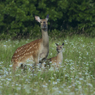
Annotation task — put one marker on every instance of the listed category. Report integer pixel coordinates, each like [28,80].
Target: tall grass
[76,76]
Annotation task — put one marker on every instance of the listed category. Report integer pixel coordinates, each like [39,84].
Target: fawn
[36,50]
[57,60]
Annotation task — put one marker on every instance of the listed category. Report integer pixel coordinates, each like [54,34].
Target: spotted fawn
[36,50]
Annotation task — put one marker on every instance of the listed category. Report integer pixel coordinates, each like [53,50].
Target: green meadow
[76,76]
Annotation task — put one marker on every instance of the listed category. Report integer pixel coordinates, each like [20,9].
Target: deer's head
[59,47]
[43,22]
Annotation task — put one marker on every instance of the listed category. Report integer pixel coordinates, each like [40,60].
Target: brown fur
[57,60]
[36,50]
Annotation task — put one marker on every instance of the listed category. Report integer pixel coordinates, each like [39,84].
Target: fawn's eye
[60,47]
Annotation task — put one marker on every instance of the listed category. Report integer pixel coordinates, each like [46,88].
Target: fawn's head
[59,47]
[43,22]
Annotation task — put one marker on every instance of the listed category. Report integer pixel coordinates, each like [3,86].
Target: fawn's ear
[47,17]
[37,18]
[62,44]
[56,44]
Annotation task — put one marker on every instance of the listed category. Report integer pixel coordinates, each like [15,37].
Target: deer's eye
[60,47]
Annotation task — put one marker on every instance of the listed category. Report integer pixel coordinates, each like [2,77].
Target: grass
[76,76]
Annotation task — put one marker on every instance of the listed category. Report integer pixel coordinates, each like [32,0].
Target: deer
[36,50]
[57,60]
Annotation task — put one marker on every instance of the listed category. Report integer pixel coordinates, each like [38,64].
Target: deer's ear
[37,18]
[47,17]
[62,44]
[56,44]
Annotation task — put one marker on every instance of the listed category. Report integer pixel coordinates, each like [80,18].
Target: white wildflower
[54,82]
[89,84]
[44,86]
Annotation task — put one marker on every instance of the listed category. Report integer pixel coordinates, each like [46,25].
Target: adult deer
[36,50]
[57,60]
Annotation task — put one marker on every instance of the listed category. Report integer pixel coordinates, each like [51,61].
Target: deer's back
[55,61]
[26,51]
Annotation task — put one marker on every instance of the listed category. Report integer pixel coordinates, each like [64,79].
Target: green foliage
[81,14]
[17,16]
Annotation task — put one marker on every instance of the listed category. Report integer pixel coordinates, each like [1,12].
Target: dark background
[66,17]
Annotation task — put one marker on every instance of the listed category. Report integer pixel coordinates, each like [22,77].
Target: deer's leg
[15,65]
[36,60]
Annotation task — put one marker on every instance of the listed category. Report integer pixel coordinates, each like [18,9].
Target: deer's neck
[45,38]
[60,56]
